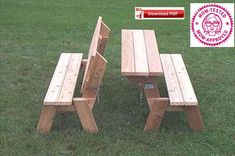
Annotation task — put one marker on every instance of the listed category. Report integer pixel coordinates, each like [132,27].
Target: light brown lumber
[154,62]
[57,80]
[46,118]
[99,69]
[95,39]
[140,55]
[70,80]
[86,117]
[194,118]
[104,30]
[87,73]
[150,93]
[92,51]
[156,114]
[174,90]
[127,54]
[184,80]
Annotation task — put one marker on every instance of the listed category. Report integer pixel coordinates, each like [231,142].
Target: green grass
[33,34]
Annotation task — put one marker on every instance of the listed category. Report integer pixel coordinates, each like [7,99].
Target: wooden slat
[95,39]
[92,50]
[98,43]
[96,72]
[102,46]
[173,87]
[127,65]
[141,63]
[184,80]
[87,74]
[100,67]
[57,79]
[70,80]
[86,117]
[104,30]
[154,63]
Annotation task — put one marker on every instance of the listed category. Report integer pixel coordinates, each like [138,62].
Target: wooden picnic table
[141,63]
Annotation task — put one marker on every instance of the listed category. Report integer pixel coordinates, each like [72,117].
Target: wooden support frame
[80,105]
[157,110]
[69,66]
[141,63]
[156,104]
[85,115]
[83,106]
[159,105]
[46,118]
[194,118]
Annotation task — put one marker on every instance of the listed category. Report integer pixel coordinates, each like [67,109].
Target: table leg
[156,114]
[194,118]
[156,104]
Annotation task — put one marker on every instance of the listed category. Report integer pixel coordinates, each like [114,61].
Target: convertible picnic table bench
[60,94]
[141,63]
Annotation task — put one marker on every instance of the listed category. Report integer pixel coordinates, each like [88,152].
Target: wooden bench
[60,94]
[180,90]
[141,63]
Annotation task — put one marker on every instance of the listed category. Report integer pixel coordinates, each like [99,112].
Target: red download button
[163,14]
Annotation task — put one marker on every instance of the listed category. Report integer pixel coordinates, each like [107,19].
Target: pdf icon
[212,25]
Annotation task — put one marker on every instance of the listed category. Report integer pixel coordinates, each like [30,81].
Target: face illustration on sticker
[212,24]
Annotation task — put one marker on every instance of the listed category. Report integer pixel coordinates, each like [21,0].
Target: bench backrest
[96,62]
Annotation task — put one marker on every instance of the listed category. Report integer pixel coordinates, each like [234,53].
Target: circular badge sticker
[212,24]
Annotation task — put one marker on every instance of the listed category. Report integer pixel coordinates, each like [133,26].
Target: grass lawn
[33,33]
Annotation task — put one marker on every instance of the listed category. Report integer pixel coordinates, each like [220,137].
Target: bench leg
[86,117]
[194,118]
[90,95]
[46,119]
[155,116]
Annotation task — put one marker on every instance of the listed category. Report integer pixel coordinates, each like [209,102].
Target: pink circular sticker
[212,24]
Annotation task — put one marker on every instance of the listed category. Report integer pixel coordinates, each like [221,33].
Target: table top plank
[173,87]
[127,63]
[140,55]
[154,63]
[141,60]
[184,80]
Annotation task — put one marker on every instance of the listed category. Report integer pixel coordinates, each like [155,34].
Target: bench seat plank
[57,80]
[141,60]
[184,80]
[154,62]
[128,64]
[62,85]
[70,80]
[173,87]
[178,81]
